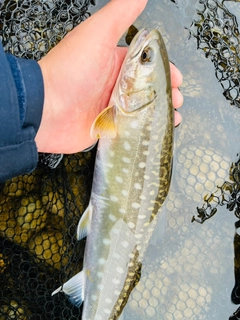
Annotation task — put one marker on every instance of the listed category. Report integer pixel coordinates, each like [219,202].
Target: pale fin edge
[104,125]
[74,289]
[84,224]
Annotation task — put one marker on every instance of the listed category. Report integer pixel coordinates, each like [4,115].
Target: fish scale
[131,180]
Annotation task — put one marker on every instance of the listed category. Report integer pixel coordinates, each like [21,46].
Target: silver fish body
[131,179]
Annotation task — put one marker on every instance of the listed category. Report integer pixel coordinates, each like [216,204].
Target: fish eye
[147,55]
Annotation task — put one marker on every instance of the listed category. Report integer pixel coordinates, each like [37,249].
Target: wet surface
[191,270]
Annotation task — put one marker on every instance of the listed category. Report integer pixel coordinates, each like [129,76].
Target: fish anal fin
[84,224]
[104,125]
[74,289]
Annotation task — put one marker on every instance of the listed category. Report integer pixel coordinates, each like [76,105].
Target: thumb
[114,19]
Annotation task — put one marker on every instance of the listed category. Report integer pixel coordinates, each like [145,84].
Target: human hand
[80,73]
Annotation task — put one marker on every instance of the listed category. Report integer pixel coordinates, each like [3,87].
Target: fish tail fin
[74,289]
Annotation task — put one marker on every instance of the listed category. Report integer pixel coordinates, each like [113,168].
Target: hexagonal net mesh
[30,28]
[39,212]
[38,246]
[216,31]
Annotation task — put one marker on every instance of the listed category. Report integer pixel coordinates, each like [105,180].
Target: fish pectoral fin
[104,125]
[84,223]
[74,288]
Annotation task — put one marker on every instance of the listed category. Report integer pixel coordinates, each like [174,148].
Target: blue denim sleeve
[21,104]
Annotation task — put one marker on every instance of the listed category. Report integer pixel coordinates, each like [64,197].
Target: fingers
[114,19]
[177,98]
[177,118]
[176,76]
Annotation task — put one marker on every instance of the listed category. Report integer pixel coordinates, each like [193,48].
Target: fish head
[140,80]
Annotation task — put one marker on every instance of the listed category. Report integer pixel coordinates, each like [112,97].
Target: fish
[132,177]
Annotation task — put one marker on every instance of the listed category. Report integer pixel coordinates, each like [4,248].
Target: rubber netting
[39,212]
[217,34]
[38,246]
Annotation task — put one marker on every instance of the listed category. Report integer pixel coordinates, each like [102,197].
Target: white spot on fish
[101,261]
[106,241]
[145,142]
[152,193]
[131,255]
[149,128]
[125,244]
[137,186]
[100,287]
[121,210]
[146,153]
[115,281]
[141,216]
[120,270]
[111,153]
[134,124]
[138,236]
[142,165]
[127,133]
[94,298]
[116,255]
[135,205]
[125,170]
[125,159]
[131,225]
[99,274]
[112,217]
[113,198]
[146,177]
[116,231]
[124,193]
[107,311]
[127,146]
[110,165]
[108,300]
[119,179]
[117,293]
[142,197]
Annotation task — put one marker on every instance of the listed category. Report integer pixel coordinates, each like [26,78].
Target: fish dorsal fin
[74,288]
[84,223]
[104,125]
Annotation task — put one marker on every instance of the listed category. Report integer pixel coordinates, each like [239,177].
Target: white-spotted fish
[131,180]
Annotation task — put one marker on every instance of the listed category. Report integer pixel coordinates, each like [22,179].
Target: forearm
[21,103]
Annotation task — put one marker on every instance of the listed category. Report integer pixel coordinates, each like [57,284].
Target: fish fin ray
[83,227]
[104,125]
[74,289]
